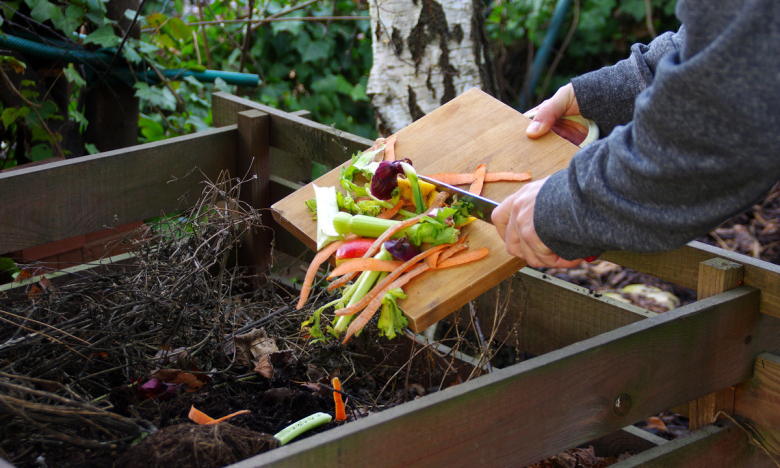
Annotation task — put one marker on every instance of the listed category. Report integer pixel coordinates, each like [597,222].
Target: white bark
[426,52]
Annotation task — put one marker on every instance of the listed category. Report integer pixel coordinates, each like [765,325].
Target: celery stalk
[362,286]
[411,174]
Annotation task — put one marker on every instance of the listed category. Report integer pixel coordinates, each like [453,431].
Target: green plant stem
[297,428]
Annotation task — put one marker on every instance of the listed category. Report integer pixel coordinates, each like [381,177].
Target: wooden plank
[516,416]
[296,135]
[758,400]
[282,239]
[471,129]
[725,446]
[715,276]
[544,313]
[253,166]
[681,266]
[630,439]
[82,195]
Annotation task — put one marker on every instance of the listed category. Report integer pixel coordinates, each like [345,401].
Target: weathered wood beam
[758,400]
[542,313]
[545,405]
[296,135]
[77,196]
[722,446]
[715,276]
[681,267]
[253,166]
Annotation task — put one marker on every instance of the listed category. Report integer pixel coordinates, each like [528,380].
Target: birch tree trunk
[426,52]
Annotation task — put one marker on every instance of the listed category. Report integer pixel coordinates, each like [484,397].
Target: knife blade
[483,206]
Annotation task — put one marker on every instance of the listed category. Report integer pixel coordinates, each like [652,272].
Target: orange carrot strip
[198,416]
[456,248]
[507,176]
[389,214]
[479,179]
[387,235]
[341,414]
[319,259]
[463,258]
[377,143]
[455,178]
[390,148]
[364,264]
[433,259]
[356,307]
[373,306]
[237,413]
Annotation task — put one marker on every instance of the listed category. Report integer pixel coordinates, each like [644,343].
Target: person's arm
[607,95]
[702,145]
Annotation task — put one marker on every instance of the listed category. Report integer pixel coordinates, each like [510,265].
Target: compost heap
[109,357]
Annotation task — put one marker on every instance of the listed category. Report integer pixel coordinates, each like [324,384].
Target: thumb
[542,122]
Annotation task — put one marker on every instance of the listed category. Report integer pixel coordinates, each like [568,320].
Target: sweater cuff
[556,222]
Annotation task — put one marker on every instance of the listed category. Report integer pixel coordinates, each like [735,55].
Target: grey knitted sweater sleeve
[607,96]
[701,143]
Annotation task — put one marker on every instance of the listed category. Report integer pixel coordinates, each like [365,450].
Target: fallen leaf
[178,376]
[264,367]
[251,346]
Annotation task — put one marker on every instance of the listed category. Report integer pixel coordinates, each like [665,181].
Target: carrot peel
[199,417]
[341,414]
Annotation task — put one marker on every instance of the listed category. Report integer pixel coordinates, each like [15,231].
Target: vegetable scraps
[379,246]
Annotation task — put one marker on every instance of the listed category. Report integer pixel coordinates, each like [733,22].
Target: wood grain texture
[681,267]
[539,313]
[296,135]
[82,195]
[470,130]
[629,439]
[518,415]
[253,165]
[758,400]
[715,276]
[712,447]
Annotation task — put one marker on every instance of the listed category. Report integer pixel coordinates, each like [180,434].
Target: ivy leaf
[73,76]
[316,50]
[78,117]
[18,66]
[40,152]
[70,21]
[178,29]
[155,96]
[103,36]
[220,84]
[150,129]
[12,114]
[332,84]
[91,148]
[130,54]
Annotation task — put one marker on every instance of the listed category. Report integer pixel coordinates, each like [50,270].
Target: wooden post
[715,276]
[253,163]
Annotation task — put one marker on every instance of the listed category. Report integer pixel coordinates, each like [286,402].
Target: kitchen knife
[483,207]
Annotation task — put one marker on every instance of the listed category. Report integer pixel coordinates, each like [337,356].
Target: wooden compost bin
[602,365]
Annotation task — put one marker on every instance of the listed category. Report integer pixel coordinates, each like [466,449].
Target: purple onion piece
[385,179]
[401,249]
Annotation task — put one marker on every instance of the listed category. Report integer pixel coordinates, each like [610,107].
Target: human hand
[514,220]
[549,116]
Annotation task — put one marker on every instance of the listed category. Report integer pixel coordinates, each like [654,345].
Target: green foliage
[604,32]
[321,66]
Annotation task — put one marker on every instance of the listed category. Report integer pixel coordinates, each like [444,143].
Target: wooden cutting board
[472,129]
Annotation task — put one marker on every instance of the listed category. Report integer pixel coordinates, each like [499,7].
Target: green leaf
[103,36]
[70,21]
[193,82]
[8,266]
[42,10]
[91,149]
[179,30]
[40,152]
[150,129]
[160,97]
[130,54]
[220,85]
[73,76]
[316,50]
